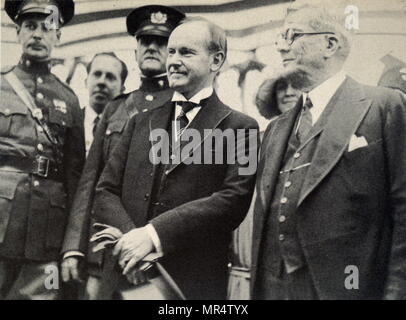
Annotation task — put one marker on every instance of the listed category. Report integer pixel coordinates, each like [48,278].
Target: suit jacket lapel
[318,126]
[274,148]
[212,113]
[349,108]
[160,120]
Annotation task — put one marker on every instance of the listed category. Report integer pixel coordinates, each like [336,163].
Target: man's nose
[38,33]
[173,60]
[153,45]
[281,45]
[101,80]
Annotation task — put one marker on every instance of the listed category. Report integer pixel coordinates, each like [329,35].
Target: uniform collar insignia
[154,84]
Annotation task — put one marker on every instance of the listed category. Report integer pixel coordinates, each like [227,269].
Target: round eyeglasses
[290,35]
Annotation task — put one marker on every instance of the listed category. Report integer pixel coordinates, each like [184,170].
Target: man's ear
[122,89]
[18,29]
[218,60]
[333,44]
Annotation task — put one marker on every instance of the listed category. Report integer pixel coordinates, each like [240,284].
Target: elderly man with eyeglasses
[330,212]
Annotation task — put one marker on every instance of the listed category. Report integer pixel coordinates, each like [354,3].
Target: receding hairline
[189,21]
[124,69]
[216,36]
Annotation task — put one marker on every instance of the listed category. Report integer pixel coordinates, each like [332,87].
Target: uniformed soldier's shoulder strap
[64,84]
[121,96]
[7,69]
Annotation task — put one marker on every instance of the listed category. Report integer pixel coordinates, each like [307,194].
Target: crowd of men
[330,183]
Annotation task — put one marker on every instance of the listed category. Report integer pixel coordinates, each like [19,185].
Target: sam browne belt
[40,166]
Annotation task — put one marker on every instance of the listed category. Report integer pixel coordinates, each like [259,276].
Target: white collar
[201,95]
[322,94]
[90,114]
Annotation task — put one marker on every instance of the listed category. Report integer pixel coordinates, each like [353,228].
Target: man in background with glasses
[330,212]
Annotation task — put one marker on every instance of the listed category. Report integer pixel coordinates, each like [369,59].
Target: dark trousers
[297,285]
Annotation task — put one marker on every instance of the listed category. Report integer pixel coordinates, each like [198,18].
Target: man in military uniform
[41,154]
[151,26]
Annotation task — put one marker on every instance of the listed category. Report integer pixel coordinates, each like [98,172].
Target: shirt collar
[197,98]
[321,95]
[90,114]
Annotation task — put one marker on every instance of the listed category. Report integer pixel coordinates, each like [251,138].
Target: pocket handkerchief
[357,142]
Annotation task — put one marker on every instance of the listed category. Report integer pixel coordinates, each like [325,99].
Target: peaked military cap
[153,20]
[17,8]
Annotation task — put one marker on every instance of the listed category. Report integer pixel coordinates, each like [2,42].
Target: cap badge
[159,17]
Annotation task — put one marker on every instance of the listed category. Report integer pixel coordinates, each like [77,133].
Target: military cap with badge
[64,9]
[153,20]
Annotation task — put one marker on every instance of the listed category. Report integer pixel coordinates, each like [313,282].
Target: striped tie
[182,118]
[305,124]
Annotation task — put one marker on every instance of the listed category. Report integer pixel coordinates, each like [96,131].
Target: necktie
[95,122]
[305,124]
[182,118]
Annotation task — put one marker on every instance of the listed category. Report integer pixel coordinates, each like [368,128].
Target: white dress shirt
[177,97]
[90,116]
[197,98]
[322,94]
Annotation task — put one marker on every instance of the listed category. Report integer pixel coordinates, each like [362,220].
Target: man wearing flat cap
[151,26]
[41,154]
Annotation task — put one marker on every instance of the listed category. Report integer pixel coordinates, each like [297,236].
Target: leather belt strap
[29,102]
[39,166]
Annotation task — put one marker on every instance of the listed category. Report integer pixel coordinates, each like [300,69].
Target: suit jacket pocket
[9,182]
[56,217]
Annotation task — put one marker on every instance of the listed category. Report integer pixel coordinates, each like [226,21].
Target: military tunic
[34,204]
[153,92]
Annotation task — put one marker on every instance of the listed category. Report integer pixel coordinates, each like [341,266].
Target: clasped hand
[132,248]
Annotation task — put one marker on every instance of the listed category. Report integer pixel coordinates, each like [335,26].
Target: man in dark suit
[151,26]
[106,75]
[184,210]
[330,213]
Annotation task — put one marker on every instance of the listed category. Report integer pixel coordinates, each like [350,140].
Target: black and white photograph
[213,150]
